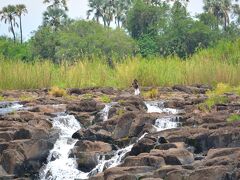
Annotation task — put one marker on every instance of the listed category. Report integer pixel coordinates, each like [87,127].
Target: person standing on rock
[136,87]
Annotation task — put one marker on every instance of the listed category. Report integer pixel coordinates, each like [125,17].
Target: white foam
[62,167]
[158,107]
[10,108]
[104,113]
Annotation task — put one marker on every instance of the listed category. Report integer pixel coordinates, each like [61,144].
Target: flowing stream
[60,166]
[8,107]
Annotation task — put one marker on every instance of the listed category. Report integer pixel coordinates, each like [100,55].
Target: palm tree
[54,17]
[121,10]
[220,9]
[96,8]
[21,10]
[59,3]
[8,14]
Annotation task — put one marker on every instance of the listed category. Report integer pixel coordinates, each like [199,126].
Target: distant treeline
[150,28]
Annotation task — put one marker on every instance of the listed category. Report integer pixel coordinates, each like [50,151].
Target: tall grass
[207,67]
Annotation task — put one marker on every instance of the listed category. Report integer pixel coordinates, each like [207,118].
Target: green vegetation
[234,118]
[201,68]
[157,42]
[57,92]
[153,93]
[88,96]
[217,96]
[105,99]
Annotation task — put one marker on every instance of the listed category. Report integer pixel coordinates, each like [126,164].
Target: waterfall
[161,124]
[59,166]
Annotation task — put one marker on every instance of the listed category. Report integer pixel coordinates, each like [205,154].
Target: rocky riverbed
[81,136]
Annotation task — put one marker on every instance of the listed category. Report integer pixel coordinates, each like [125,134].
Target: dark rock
[85,105]
[97,146]
[86,161]
[142,146]
[75,91]
[143,160]
[165,146]
[22,134]
[123,126]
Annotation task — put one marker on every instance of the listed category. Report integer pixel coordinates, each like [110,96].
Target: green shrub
[57,92]
[234,118]
[153,93]
[105,99]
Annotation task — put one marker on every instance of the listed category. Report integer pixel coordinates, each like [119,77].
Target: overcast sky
[77,9]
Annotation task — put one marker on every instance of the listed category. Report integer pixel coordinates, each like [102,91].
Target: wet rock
[25,156]
[11,160]
[22,134]
[123,126]
[85,119]
[86,161]
[142,146]
[93,135]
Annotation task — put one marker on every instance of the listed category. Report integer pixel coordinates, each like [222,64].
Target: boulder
[143,146]
[206,173]
[89,146]
[143,160]
[86,161]
[85,105]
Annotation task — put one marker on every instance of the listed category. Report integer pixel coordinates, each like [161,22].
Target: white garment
[137,92]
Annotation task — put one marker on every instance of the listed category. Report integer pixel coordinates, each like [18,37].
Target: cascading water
[8,107]
[59,165]
[105,111]
[115,160]
[158,107]
[161,124]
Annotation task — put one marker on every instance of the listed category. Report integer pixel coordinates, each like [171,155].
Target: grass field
[210,66]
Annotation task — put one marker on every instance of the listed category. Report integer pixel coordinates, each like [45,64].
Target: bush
[153,93]
[234,118]
[14,51]
[105,99]
[57,92]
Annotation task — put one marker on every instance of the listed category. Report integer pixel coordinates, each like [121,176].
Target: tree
[55,16]
[21,10]
[44,43]
[109,10]
[86,39]
[145,18]
[96,8]
[121,9]
[8,14]
[58,3]
[222,10]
